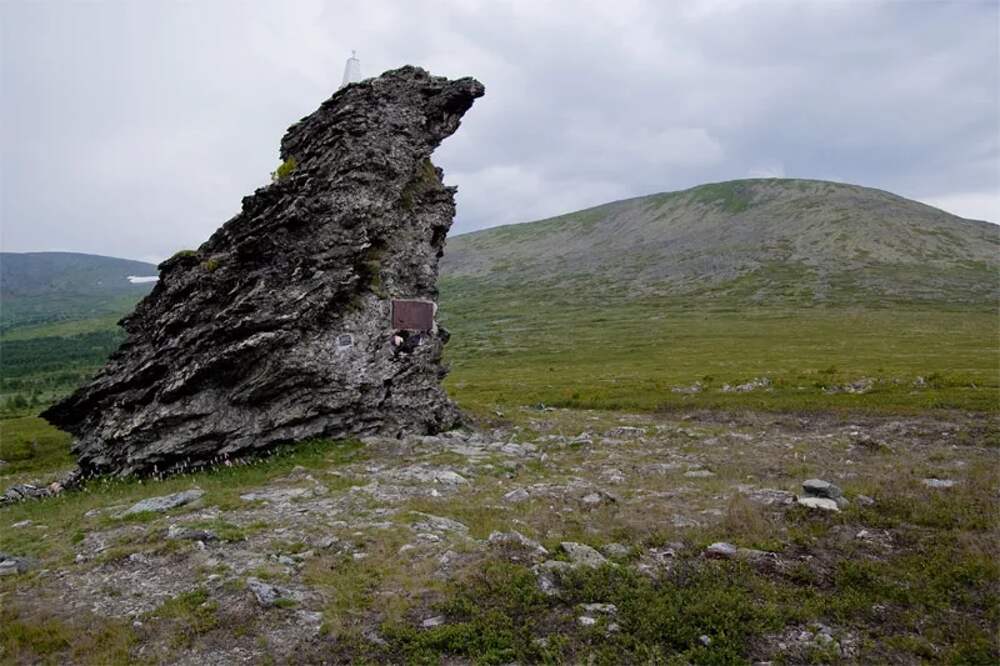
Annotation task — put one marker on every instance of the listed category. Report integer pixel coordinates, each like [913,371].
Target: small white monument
[352,70]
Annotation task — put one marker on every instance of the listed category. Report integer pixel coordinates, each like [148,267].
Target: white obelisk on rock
[352,69]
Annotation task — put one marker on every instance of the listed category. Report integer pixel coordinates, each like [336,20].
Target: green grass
[31,446]
[561,348]
[27,638]
[497,615]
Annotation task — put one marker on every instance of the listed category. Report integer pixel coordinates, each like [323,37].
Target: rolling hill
[39,288]
[752,241]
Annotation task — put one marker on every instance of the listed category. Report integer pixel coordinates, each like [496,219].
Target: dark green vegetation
[57,321]
[498,612]
[42,288]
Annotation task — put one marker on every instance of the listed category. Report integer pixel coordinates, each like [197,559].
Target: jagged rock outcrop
[279,328]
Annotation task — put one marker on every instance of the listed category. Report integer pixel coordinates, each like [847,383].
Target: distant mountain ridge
[69,273]
[756,241]
[38,288]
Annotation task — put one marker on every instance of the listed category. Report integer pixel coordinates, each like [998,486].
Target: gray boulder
[308,314]
[582,555]
[163,503]
[268,595]
[11,565]
[820,488]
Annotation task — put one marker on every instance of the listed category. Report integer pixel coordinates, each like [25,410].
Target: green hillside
[41,288]
[58,314]
[767,242]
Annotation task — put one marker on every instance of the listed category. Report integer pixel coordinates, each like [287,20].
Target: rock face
[280,327]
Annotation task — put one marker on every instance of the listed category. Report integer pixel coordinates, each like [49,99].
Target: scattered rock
[768,496]
[863,385]
[22,523]
[582,555]
[11,565]
[548,573]
[429,523]
[864,500]
[752,385]
[823,503]
[586,621]
[517,495]
[820,488]
[180,532]
[163,503]
[606,609]
[699,474]
[705,640]
[268,595]
[616,550]
[517,539]
[597,498]
[939,483]
[22,491]
[435,621]
[626,431]
[721,551]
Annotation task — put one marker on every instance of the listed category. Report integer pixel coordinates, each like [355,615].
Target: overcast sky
[133,129]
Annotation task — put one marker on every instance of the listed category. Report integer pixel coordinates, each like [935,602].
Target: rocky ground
[558,523]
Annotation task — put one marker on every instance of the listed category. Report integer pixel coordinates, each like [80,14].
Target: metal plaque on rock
[413,315]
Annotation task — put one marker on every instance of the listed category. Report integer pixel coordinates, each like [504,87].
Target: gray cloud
[133,129]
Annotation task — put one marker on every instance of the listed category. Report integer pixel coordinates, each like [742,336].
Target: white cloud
[135,128]
[972,205]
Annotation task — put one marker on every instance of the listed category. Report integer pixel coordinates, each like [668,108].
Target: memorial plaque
[413,315]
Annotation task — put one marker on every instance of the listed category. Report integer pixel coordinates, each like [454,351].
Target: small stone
[435,621]
[11,565]
[179,532]
[268,595]
[625,431]
[606,609]
[582,555]
[939,483]
[705,640]
[819,503]
[548,573]
[616,550]
[517,495]
[430,523]
[699,474]
[586,621]
[720,550]
[597,498]
[864,500]
[518,539]
[163,503]
[820,488]
[22,523]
